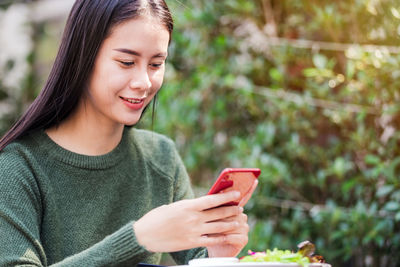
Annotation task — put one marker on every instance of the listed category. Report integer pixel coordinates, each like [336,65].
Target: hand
[236,239]
[191,223]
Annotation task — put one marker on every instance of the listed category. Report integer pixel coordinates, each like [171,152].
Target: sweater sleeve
[20,219]
[183,190]
[115,249]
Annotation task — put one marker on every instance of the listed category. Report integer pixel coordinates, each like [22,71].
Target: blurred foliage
[321,122]
[16,59]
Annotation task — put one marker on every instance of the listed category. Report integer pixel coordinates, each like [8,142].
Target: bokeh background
[307,91]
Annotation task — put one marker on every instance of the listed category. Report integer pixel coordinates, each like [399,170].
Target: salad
[304,256]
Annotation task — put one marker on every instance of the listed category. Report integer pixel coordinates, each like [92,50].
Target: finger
[215,200]
[239,240]
[221,213]
[242,228]
[219,227]
[211,240]
[240,218]
[246,198]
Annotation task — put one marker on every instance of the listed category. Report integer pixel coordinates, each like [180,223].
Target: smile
[135,104]
[132,100]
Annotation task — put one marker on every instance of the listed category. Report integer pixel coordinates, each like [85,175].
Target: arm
[183,190]
[21,209]
[235,240]
[190,223]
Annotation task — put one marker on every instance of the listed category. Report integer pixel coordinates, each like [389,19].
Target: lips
[133,103]
[133,100]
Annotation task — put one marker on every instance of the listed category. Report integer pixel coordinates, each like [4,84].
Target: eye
[156,65]
[126,63]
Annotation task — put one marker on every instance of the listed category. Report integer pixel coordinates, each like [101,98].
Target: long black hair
[88,24]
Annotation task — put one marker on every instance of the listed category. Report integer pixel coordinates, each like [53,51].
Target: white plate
[268,264]
[234,262]
[214,261]
[259,264]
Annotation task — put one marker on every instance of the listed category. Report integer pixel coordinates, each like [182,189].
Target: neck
[82,135]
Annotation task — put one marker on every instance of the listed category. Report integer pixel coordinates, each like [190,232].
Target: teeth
[133,101]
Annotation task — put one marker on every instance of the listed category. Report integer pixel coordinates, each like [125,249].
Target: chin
[131,119]
[130,122]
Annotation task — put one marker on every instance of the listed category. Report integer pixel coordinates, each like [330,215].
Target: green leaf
[392,206]
[310,72]
[275,75]
[397,217]
[372,159]
[350,69]
[320,61]
[392,168]
[384,190]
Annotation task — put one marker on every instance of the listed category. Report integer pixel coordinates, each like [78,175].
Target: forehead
[142,32]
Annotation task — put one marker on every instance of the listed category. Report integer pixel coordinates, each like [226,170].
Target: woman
[80,188]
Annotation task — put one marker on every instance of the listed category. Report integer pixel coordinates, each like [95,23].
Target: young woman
[80,188]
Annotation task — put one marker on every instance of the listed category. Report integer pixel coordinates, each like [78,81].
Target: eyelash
[130,63]
[127,63]
[156,65]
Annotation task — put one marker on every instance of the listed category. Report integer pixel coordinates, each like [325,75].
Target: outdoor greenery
[320,118]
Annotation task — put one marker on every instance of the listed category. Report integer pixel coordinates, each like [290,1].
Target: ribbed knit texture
[60,208]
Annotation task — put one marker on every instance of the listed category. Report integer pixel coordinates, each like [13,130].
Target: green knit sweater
[66,209]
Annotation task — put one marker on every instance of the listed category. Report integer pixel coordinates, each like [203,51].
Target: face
[128,72]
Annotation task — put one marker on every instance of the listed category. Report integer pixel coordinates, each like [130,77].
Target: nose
[140,80]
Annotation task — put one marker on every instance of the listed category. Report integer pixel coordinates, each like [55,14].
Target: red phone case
[227,178]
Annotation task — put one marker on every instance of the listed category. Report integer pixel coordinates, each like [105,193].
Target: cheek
[115,82]
[109,86]
[156,81]
[107,76]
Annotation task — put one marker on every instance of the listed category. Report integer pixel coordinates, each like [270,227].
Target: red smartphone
[239,179]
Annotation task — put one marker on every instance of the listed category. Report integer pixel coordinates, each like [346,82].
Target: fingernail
[236,194]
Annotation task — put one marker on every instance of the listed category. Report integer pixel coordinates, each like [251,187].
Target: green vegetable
[276,255]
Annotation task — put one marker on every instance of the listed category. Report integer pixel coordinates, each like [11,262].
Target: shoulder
[22,157]
[157,149]
[16,153]
[17,162]
[152,142]
[21,194]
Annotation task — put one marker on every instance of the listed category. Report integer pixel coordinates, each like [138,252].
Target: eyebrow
[132,52]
